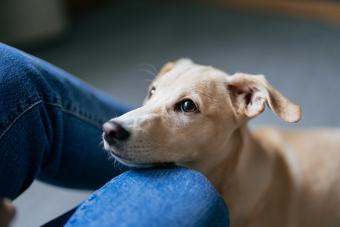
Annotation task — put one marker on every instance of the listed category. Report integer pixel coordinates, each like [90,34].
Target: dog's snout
[114,131]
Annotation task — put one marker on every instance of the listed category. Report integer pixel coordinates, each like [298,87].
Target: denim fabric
[50,129]
[50,126]
[157,197]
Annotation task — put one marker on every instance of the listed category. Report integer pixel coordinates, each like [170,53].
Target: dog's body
[283,178]
[196,116]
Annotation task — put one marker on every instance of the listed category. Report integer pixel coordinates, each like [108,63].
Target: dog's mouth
[134,164]
[130,162]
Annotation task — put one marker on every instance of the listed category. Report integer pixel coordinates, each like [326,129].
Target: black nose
[113,132]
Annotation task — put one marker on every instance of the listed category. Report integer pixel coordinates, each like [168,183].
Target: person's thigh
[50,126]
[155,197]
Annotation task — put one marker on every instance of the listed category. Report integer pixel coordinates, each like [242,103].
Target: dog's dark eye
[151,92]
[186,105]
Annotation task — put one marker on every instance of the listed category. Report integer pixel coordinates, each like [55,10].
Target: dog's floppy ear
[250,93]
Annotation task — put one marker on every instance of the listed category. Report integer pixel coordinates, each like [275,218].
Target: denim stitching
[80,117]
[76,114]
[18,117]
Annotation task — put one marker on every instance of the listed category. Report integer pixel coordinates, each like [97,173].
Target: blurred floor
[117,48]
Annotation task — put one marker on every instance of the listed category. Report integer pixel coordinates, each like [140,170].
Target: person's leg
[154,197]
[50,126]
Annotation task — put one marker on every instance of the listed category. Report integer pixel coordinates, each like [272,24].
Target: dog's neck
[249,172]
[243,178]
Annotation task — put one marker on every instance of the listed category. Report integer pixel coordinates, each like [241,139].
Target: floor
[119,48]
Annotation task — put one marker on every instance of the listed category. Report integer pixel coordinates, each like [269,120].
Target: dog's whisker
[148,80]
[153,68]
[148,72]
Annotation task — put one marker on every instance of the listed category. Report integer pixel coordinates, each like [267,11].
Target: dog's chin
[134,164]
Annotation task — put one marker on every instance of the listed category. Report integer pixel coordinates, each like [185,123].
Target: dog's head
[189,115]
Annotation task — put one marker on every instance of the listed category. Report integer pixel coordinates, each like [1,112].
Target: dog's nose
[114,131]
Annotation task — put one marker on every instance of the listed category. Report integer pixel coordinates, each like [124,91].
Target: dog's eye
[151,92]
[186,105]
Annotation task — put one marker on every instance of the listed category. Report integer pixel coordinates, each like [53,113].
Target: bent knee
[13,62]
[17,73]
[20,84]
[173,193]
[197,191]
[188,188]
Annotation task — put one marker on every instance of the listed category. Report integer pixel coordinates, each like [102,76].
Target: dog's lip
[132,164]
[117,155]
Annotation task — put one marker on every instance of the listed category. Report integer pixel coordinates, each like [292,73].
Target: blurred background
[118,46]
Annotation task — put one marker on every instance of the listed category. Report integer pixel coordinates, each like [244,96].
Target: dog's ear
[166,68]
[250,93]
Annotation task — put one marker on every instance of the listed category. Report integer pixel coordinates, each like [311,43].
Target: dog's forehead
[190,75]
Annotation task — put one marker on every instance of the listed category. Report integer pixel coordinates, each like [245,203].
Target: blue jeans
[50,129]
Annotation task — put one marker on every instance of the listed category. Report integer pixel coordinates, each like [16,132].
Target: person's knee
[156,197]
[21,83]
[190,190]
[207,201]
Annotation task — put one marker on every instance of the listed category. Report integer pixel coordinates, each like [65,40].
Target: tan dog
[196,116]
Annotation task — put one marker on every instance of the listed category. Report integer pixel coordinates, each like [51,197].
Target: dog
[196,116]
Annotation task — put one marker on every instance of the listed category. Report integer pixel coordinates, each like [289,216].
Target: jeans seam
[77,115]
[18,117]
